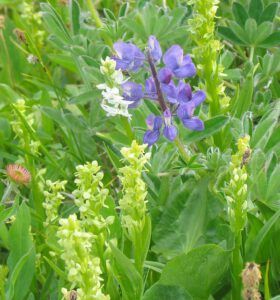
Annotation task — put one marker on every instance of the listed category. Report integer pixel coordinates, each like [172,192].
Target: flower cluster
[236,189]
[133,204]
[53,199]
[113,102]
[90,196]
[83,268]
[202,29]
[18,174]
[166,85]
[251,277]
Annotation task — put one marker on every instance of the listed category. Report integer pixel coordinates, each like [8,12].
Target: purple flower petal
[150,88]
[154,48]
[193,124]
[129,57]
[151,136]
[186,110]
[157,123]
[132,92]
[170,91]
[164,75]
[184,92]
[198,97]
[170,132]
[150,121]
[154,122]
[185,71]
[173,57]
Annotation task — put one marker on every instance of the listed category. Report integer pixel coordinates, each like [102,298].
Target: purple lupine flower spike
[132,92]
[169,130]
[129,57]
[152,135]
[154,48]
[181,66]
[150,89]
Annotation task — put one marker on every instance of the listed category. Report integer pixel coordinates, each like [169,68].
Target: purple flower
[129,57]
[132,92]
[154,48]
[164,75]
[181,66]
[152,135]
[186,109]
[169,130]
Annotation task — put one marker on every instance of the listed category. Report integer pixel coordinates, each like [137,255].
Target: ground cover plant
[139,149]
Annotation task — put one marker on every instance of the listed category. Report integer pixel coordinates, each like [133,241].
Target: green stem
[179,144]
[8,192]
[252,51]
[236,266]
[94,14]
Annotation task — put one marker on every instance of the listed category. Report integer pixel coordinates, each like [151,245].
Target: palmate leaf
[199,272]
[183,220]
[240,13]
[269,13]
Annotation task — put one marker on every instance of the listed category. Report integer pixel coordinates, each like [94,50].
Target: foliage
[88,211]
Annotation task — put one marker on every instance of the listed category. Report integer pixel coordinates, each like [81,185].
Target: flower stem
[236,265]
[182,149]
[94,14]
[157,83]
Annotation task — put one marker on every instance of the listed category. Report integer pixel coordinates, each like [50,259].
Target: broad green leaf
[263,31]
[240,13]
[251,30]
[255,9]
[199,272]
[211,126]
[239,32]
[273,188]
[269,13]
[126,275]
[256,243]
[166,292]
[228,34]
[21,250]
[272,41]
[182,221]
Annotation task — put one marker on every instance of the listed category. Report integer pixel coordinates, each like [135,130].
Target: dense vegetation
[139,149]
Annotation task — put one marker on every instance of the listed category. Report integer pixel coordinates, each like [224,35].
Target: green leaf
[55,24]
[75,16]
[239,32]
[22,254]
[256,243]
[228,34]
[251,30]
[211,126]
[240,13]
[265,127]
[255,9]
[263,31]
[126,275]
[123,9]
[243,102]
[166,292]
[273,189]
[272,41]
[182,221]
[269,13]
[199,272]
